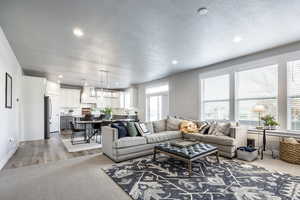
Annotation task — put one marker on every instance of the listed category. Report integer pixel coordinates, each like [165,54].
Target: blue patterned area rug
[166,178]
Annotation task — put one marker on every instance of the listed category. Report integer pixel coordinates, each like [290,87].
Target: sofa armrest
[240,134]
[109,136]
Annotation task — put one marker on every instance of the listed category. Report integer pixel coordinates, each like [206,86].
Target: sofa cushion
[222,140]
[159,126]
[129,142]
[149,125]
[163,136]
[173,124]
[212,139]
[220,129]
[193,136]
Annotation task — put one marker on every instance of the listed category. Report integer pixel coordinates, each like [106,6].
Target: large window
[257,86]
[215,98]
[293,95]
[157,102]
[155,108]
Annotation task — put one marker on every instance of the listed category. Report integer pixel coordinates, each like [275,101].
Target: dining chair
[76,132]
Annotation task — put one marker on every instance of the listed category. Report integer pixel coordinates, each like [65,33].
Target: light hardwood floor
[43,151]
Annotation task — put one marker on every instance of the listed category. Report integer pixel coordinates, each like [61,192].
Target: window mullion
[232,103]
[282,95]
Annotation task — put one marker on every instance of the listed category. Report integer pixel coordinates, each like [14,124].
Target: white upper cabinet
[87,95]
[70,98]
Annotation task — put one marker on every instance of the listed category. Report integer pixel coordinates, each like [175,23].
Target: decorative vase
[108,116]
[269,127]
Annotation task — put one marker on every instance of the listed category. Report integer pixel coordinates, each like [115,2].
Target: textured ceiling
[136,40]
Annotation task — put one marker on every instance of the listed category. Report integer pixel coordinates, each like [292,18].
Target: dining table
[89,134]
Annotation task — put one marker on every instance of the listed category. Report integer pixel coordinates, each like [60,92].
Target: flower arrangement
[269,121]
[108,112]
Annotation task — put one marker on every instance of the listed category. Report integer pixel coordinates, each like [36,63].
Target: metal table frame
[275,133]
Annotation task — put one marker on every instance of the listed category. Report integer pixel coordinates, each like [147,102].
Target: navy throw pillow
[122,130]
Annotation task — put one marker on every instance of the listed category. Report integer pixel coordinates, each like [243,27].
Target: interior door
[54,114]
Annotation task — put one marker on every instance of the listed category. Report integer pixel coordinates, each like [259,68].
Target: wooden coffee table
[187,154]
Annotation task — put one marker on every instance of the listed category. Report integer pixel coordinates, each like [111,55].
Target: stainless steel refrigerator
[47,116]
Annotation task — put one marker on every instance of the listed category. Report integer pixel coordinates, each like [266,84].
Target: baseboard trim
[7,157]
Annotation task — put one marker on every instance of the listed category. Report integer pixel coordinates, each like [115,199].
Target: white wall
[52,88]
[184,91]
[33,92]
[9,118]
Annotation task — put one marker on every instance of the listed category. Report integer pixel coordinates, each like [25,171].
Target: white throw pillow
[142,128]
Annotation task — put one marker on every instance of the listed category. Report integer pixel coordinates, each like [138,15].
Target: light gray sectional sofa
[163,131]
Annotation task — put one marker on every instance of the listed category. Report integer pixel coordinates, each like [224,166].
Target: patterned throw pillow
[142,128]
[188,127]
[173,124]
[204,127]
[220,129]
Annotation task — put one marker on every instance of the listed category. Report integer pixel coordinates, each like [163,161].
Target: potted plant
[269,122]
[107,112]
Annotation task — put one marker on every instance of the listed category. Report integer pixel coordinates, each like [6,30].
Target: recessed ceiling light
[60,76]
[174,62]
[85,84]
[237,39]
[78,32]
[202,11]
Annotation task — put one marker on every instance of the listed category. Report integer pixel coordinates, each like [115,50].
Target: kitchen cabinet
[88,95]
[70,98]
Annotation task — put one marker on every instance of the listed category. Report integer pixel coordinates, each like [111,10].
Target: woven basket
[290,152]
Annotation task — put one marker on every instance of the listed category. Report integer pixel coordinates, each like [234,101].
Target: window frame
[203,101]
[237,100]
[289,97]
[232,71]
[149,95]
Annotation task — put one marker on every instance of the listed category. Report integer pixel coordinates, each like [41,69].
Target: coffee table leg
[217,155]
[154,155]
[190,167]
